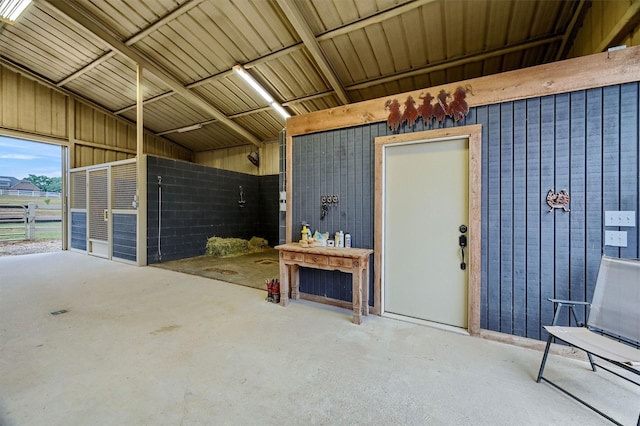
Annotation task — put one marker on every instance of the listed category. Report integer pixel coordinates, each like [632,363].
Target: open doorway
[31,196]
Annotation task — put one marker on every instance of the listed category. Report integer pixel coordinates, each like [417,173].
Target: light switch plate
[615,238]
[619,218]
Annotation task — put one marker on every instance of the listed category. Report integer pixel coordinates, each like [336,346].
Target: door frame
[474,134]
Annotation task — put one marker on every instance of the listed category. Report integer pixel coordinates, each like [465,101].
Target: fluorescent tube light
[10,10]
[189,128]
[254,84]
[280,110]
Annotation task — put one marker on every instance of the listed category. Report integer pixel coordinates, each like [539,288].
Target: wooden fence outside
[30,221]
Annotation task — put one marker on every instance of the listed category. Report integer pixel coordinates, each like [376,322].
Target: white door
[426,199]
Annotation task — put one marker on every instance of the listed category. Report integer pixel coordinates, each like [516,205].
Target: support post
[141,176]
[31,221]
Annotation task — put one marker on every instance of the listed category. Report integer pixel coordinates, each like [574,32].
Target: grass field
[44,231]
[14,199]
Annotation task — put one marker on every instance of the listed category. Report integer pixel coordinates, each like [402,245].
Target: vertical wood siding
[586,142]
[338,162]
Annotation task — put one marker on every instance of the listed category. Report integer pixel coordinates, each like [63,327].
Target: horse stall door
[98,212]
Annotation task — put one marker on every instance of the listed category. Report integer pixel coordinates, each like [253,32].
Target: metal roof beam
[145,102]
[137,37]
[569,34]
[373,19]
[294,16]
[102,59]
[453,63]
[308,98]
[90,25]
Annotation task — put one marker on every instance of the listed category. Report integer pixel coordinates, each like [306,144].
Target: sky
[20,158]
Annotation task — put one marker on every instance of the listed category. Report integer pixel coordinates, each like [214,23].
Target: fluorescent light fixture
[280,110]
[189,128]
[254,84]
[10,10]
[238,69]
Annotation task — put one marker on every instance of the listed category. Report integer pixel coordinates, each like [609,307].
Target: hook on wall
[254,157]
[325,203]
[241,201]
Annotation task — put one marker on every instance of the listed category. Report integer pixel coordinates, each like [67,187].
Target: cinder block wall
[199,202]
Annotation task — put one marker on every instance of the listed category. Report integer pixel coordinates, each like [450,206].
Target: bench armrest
[568,302]
[559,303]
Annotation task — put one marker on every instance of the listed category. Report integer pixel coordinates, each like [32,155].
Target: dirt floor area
[13,248]
[250,270]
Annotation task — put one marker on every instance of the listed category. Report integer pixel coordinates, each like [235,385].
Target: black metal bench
[612,332]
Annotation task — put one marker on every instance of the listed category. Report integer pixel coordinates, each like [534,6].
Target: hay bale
[258,244]
[227,247]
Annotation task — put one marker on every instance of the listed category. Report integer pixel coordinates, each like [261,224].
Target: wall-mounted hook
[325,202]
[241,201]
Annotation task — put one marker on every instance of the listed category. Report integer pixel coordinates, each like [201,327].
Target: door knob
[462,242]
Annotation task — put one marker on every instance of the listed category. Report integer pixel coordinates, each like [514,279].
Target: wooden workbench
[354,261]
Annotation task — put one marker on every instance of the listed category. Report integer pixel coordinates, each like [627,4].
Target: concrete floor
[148,346]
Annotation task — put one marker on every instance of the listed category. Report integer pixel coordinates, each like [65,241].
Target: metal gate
[102,209]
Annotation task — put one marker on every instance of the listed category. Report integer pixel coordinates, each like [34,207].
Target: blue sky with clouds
[19,158]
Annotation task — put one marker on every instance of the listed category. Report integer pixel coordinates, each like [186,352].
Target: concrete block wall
[199,202]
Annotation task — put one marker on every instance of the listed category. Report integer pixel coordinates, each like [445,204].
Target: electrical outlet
[619,218]
[615,238]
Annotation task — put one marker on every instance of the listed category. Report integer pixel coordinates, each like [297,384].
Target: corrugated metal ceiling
[309,54]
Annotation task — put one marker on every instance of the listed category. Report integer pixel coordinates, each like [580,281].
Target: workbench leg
[365,289]
[295,282]
[356,291]
[284,283]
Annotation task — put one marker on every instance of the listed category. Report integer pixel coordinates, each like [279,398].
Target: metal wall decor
[558,200]
[457,108]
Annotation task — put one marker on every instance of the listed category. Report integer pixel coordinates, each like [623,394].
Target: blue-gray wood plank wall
[585,142]
[124,236]
[79,230]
